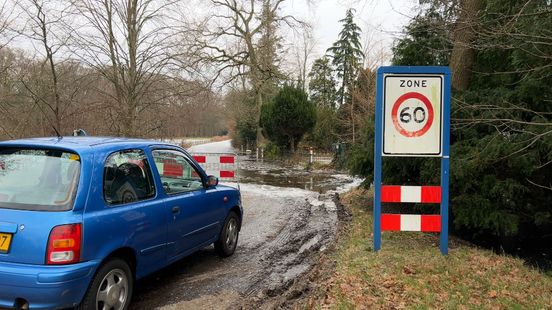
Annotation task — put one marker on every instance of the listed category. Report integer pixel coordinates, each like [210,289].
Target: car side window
[127,178]
[177,174]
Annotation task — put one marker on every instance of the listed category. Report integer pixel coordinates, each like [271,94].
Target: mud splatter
[285,229]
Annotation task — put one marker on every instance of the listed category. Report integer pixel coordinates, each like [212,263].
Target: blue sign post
[412,120]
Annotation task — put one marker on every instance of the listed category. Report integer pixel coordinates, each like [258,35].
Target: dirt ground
[290,219]
[284,232]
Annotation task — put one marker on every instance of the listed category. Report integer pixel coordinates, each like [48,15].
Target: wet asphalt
[289,217]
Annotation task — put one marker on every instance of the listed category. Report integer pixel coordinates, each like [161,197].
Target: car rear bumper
[45,287]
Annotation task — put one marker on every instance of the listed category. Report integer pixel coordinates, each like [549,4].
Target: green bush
[287,117]
[501,145]
[323,135]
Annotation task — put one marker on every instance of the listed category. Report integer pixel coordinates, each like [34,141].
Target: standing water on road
[265,172]
[290,217]
[295,176]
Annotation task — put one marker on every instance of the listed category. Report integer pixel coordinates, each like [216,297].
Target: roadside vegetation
[501,138]
[287,117]
[501,132]
[153,69]
[410,272]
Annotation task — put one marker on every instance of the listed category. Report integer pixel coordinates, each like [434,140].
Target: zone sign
[412,115]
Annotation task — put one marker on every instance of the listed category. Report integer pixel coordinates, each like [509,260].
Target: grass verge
[409,272]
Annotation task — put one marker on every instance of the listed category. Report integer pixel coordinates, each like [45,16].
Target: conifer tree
[287,117]
[347,57]
[322,83]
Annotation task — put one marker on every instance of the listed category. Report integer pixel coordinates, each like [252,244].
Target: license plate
[5,242]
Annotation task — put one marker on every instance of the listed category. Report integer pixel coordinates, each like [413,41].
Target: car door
[126,210]
[193,211]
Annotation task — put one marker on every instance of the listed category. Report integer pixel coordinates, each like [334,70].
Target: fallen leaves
[410,271]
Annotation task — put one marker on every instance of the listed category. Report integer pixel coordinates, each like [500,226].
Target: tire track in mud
[284,231]
[308,231]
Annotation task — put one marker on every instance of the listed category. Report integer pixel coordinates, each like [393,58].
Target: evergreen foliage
[324,133]
[322,83]
[287,117]
[501,140]
[241,106]
[347,57]
[427,41]
[246,131]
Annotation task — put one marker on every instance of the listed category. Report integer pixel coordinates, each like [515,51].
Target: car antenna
[59,136]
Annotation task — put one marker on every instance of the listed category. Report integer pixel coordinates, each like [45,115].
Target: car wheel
[228,239]
[111,287]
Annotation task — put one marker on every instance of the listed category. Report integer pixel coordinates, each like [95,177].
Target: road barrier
[417,194]
[222,165]
[410,222]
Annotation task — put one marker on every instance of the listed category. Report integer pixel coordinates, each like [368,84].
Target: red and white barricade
[419,194]
[222,165]
[411,222]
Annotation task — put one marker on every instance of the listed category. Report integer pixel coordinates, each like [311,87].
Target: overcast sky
[381,20]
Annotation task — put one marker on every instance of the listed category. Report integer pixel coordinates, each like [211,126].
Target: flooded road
[289,217]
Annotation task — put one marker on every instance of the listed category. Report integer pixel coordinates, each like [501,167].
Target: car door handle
[176,210]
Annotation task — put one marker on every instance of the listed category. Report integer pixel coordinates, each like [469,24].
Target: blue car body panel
[150,229]
[45,287]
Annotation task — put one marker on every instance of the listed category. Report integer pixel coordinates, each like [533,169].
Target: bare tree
[131,44]
[42,25]
[7,16]
[6,58]
[241,40]
[303,50]
[374,48]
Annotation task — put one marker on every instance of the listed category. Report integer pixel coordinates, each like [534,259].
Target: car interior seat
[129,184]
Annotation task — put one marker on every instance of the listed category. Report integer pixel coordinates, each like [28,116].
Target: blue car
[82,218]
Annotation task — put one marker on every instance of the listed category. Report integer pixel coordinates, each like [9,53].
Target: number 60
[406,117]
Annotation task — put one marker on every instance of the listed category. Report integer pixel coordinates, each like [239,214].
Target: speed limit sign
[412,116]
[412,120]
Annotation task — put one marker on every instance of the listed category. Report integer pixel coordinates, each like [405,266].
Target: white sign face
[412,119]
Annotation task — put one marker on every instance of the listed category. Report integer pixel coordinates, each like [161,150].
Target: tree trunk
[353,118]
[259,104]
[463,54]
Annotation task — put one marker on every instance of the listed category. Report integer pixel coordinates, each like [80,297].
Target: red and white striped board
[223,166]
[410,222]
[171,168]
[418,194]
[411,194]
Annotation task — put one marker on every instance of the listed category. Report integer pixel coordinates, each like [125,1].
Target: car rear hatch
[37,193]
[24,234]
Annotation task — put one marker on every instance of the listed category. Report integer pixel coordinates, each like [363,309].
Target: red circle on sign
[403,98]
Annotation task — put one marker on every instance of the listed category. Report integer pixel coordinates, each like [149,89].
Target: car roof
[83,143]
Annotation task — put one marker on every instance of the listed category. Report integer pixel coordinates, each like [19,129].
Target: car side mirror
[212,181]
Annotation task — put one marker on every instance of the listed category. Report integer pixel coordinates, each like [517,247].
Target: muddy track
[308,231]
[310,285]
[284,231]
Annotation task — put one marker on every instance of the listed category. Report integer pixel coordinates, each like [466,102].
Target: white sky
[381,20]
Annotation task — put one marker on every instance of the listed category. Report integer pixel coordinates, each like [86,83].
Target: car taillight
[64,245]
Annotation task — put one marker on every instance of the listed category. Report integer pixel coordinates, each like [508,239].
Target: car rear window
[36,179]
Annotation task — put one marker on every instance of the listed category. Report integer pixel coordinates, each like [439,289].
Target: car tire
[228,238]
[111,287]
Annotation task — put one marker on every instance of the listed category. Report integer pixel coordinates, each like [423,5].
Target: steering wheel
[128,196]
